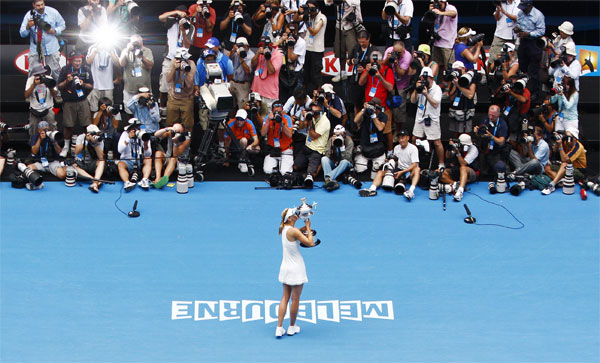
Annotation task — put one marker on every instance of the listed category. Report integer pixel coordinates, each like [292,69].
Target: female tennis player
[292,273]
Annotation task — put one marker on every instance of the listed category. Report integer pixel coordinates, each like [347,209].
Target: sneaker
[455,185]
[161,182]
[548,189]
[144,184]
[334,185]
[367,192]
[243,167]
[64,152]
[279,332]
[308,181]
[458,195]
[293,329]
[128,186]
[409,195]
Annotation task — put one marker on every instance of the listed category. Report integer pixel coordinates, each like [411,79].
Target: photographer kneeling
[532,155]
[89,152]
[464,164]
[318,133]
[243,131]
[370,121]
[45,149]
[491,136]
[174,144]
[134,146]
[144,107]
[571,152]
[338,155]
[277,127]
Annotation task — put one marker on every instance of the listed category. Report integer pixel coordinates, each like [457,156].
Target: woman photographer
[567,99]
[423,56]
[292,273]
[469,56]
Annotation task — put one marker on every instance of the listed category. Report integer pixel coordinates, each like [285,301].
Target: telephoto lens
[31,175]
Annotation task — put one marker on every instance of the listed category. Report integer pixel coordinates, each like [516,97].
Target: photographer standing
[277,128]
[144,108]
[492,137]
[446,24]
[428,97]
[333,106]
[315,45]
[532,157]
[180,107]
[293,48]
[371,120]
[506,18]
[241,58]
[89,151]
[236,24]
[565,32]
[517,101]
[89,18]
[506,62]
[316,142]
[205,18]
[45,151]
[571,152]
[399,59]
[135,154]
[567,99]
[462,53]
[359,58]
[40,90]
[42,25]
[338,155]
[423,56]
[104,65]
[295,107]
[464,165]
[462,108]
[75,83]
[137,62]
[530,26]
[398,14]
[267,64]
[351,18]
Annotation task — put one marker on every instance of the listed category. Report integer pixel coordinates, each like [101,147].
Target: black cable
[499,205]
[120,195]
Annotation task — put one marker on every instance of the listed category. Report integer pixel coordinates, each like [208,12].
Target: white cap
[426,70]
[570,49]
[469,33]
[290,212]
[566,27]
[91,129]
[327,87]
[242,114]
[510,46]
[144,90]
[458,64]
[339,129]
[465,139]
[573,131]
[241,40]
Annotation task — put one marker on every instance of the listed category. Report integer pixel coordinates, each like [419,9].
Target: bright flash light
[107,36]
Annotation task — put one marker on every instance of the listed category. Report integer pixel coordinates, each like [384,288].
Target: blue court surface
[195,277]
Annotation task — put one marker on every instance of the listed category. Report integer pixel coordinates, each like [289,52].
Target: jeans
[327,164]
[531,167]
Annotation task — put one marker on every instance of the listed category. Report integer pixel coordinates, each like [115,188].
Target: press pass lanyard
[494,133]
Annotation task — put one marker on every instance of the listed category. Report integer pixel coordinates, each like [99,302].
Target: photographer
[338,155]
[565,32]
[462,53]
[277,128]
[399,60]
[359,58]
[42,25]
[45,151]
[532,155]
[371,120]
[333,106]
[89,19]
[571,152]
[104,66]
[181,76]
[398,15]
[124,14]
[548,116]
[567,66]
[351,19]
[106,119]
[174,145]
[75,83]
[236,24]
[315,45]
[135,153]
[506,18]
[517,101]
[492,136]
[567,99]
[463,92]
[245,133]
[144,108]
[89,151]
[273,19]
[378,79]
[241,58]
[506,63]
[423,56]
[205,18]
[464,164]
[40,90]
[179,35]
[137,62]
[267,64]
[446,23]
[530,26]
[428,97]
[295,107]
[316,142]
[293,47]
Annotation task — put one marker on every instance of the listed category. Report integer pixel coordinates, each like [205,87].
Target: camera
[562,58]
[115,109]
[421,55]
[185,66]
[483,129]
[137,50]
[149,102]
[557,136]
[455,145]
[267,54]
[305,13]
[309,116]
[39,22]
[526,139]
[450,75]
[390,8]
[254,101]
[556,90]
[277,117]
[427,121]
[475,39]
[268,12]
[142,135]
[338,141]
[96,138]
[465,80]
[504,56]
[370,110]
[374,65]
[543,109]
[238,18]
[241,51]
[31,175]
[55,136]
[46,80]
[393,57]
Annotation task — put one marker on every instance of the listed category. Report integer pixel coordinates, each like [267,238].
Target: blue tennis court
[195,277]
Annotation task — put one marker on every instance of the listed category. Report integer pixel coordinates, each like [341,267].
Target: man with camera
[428,97]
[517,101]
[446,26]
[399,59]
[293,48]
[567,65]
[492,138]
[506,63]
[463,93]
[245,133]
[42,25]
[295,107]
[398,15]
[40,90]
[144,108]
[136,152]
[506,18]
[124,14]
[315,45]
[277,128]
[530,26]
[358,59]
[571,152]
[371,121]
[236,24]
[89,156]
[75,83]
[45,149]
[174,145]
[337,158]
[181,76]
[89,19]
[267,63]
[464,164]
[318,133]
[204,17]
[137,62]
[401,168]
[108,123]
[333,106]
[241,58]
[559,43]
[348,21]
[531,155]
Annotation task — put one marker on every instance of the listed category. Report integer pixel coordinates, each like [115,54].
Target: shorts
[578,174]
[443,56]
[460,126]
[34,120]
[471,174]
[130,164]
[180,111]
[432,132]
[76,111]
[96,95]
[52,167]
[361,162]
[285,163]
[163,85]
[89,166]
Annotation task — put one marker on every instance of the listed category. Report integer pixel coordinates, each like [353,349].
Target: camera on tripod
[39,22]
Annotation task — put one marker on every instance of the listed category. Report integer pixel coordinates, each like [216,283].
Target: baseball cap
[213,42]
[339,129]
[43,125]
[242,40]
[458,64]
[327,87]
[570,49]
[426,70]
[566,27]
[465,139]
[425,49]
[241,113]
[403,133]
[376,101]
[92,129]
[524,4]
[208,52]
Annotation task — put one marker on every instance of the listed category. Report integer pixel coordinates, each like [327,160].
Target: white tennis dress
[292,270]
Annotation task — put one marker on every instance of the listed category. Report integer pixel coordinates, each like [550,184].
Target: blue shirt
[567,108]
[49,42]
[534,23]
[458,49]
[541,152]
[149,116]
[226,66]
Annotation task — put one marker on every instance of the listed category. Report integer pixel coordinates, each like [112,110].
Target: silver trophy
[305,211]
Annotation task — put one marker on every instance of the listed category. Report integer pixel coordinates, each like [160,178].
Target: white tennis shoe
[293,329]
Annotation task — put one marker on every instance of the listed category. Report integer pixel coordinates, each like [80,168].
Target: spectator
[237,24]
[492,137]
[45,152]
[569,67]
[567,99]
[137,62]
[181,76]
[105,69]
[571,152]
[89,151]
[144,108]
[423,56]
[468,56]
[351,18]
[506,18]
[280,156]
[90,19]
[446,26]
[174,146]
[333,106]
[531,156]
[315,46]
[464,99]
[338,155]
[530,26]
[294,50]
[316,142]
[136,154]
[205,17]
[398,15]
[241,58]
[359,58]
[400,66]
[267,63]
[464,165]
[44,48]
[41,99]
[245,133]
[370,121]
[75,83]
